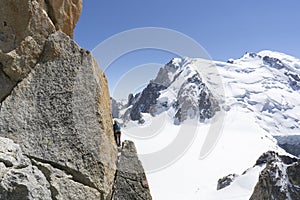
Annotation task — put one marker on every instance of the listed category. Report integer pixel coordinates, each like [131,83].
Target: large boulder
[64,14]
[60,115]
[24,27]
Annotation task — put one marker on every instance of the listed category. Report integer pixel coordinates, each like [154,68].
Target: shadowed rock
[226,181]
[131,182]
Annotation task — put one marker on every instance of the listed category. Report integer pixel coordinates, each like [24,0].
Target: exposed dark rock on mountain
[132,99]
[280,178]
[131,182]
[202,105]
[294,80]
[226,181]
[273,62]
[147,99]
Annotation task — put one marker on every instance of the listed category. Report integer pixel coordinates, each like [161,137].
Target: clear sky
[225,28]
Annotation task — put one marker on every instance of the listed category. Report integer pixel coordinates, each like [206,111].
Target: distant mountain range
[260,92]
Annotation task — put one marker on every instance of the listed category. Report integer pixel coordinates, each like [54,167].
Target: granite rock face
[63,13]
[24,27]
[26,178]
[60,115]
[290,144]
[131,182]
[19,179]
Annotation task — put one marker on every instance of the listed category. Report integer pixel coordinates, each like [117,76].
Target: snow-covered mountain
[178,90]
[267,84]
[259,94]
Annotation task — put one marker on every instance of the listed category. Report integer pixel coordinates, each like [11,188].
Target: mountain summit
[261,105]
[179,90]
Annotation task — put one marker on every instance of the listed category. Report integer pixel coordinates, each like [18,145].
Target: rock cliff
[60,114]
[55,114]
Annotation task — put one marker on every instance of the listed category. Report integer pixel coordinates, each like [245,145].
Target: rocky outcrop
[273,62]
[24,27]
[60,115]
[131,182]
[25,178]
[147,99]
[195,100]
[115,108]
[19,178]
[294,79]
[280,178]
[226,181]
[63,13]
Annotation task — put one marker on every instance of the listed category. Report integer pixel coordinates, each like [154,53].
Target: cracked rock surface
[24,27]
[19,179]
[60,114]
[131,182]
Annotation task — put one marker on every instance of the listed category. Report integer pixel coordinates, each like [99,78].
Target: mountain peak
[178,89]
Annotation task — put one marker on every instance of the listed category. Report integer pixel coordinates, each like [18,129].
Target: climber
[117,133]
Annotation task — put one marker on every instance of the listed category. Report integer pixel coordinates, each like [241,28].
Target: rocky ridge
[131,181]
[278,179]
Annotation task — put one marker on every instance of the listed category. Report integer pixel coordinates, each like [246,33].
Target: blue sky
[226,29]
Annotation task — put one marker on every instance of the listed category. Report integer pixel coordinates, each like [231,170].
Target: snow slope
[261,100]
[265,90]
